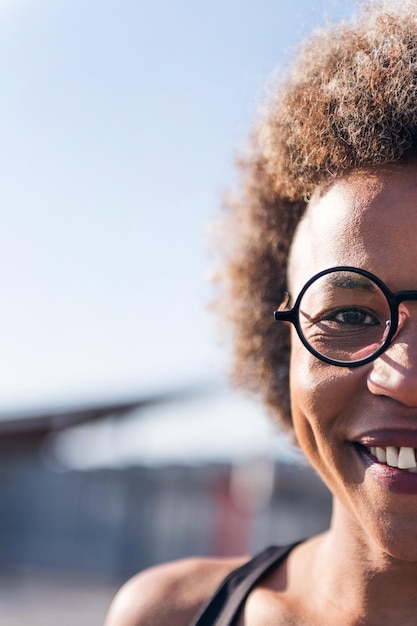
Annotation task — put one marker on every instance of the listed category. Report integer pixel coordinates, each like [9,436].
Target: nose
[394,373]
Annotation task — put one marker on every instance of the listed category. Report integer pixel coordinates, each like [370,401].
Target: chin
[382,531]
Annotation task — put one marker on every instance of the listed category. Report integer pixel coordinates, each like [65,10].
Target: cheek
[320,395]
[305,395]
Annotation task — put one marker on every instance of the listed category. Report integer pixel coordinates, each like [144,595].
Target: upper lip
[383,437]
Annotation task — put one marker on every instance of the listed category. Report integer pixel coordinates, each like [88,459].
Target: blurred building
[109,522]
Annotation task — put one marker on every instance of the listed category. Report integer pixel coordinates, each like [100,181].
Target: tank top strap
[224,606]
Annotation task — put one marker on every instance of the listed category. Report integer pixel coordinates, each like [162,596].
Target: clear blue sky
[119,121]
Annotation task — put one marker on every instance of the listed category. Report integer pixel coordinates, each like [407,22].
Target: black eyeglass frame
[393,299]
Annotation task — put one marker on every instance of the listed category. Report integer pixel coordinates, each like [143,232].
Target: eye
[353,316]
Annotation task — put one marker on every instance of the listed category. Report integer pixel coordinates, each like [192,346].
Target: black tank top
[224,606]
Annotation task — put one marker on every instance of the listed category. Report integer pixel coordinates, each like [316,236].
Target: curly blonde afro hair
[349,100]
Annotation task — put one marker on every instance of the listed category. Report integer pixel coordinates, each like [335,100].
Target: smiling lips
[402,458]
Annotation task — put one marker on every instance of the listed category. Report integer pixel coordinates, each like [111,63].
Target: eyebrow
[349,282]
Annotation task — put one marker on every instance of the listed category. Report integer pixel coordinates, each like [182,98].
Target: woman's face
[368,220]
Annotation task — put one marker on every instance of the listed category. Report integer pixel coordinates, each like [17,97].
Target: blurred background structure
[121,444]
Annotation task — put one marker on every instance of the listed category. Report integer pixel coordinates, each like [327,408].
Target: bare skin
[363,570]
[169,594]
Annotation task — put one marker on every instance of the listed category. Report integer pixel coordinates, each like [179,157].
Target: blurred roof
[211,424]
[54,417]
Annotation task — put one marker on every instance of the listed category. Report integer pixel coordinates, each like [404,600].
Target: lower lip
[393,479]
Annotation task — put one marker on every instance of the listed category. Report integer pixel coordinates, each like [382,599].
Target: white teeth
[406,458]
[403,458]
[381,455]
[392,456]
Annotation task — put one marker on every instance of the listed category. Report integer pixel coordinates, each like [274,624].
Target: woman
[325,231]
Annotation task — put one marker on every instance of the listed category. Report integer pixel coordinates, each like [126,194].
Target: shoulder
[171,593]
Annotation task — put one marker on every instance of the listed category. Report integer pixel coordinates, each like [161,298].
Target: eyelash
[333,316]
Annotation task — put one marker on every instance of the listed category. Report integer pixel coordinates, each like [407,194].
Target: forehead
[367,219]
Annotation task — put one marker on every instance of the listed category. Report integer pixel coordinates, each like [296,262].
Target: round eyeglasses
[345,316]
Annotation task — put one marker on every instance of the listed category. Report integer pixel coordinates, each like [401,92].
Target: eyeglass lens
[344,316]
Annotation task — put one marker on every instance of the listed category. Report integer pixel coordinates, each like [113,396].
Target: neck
[360,578]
